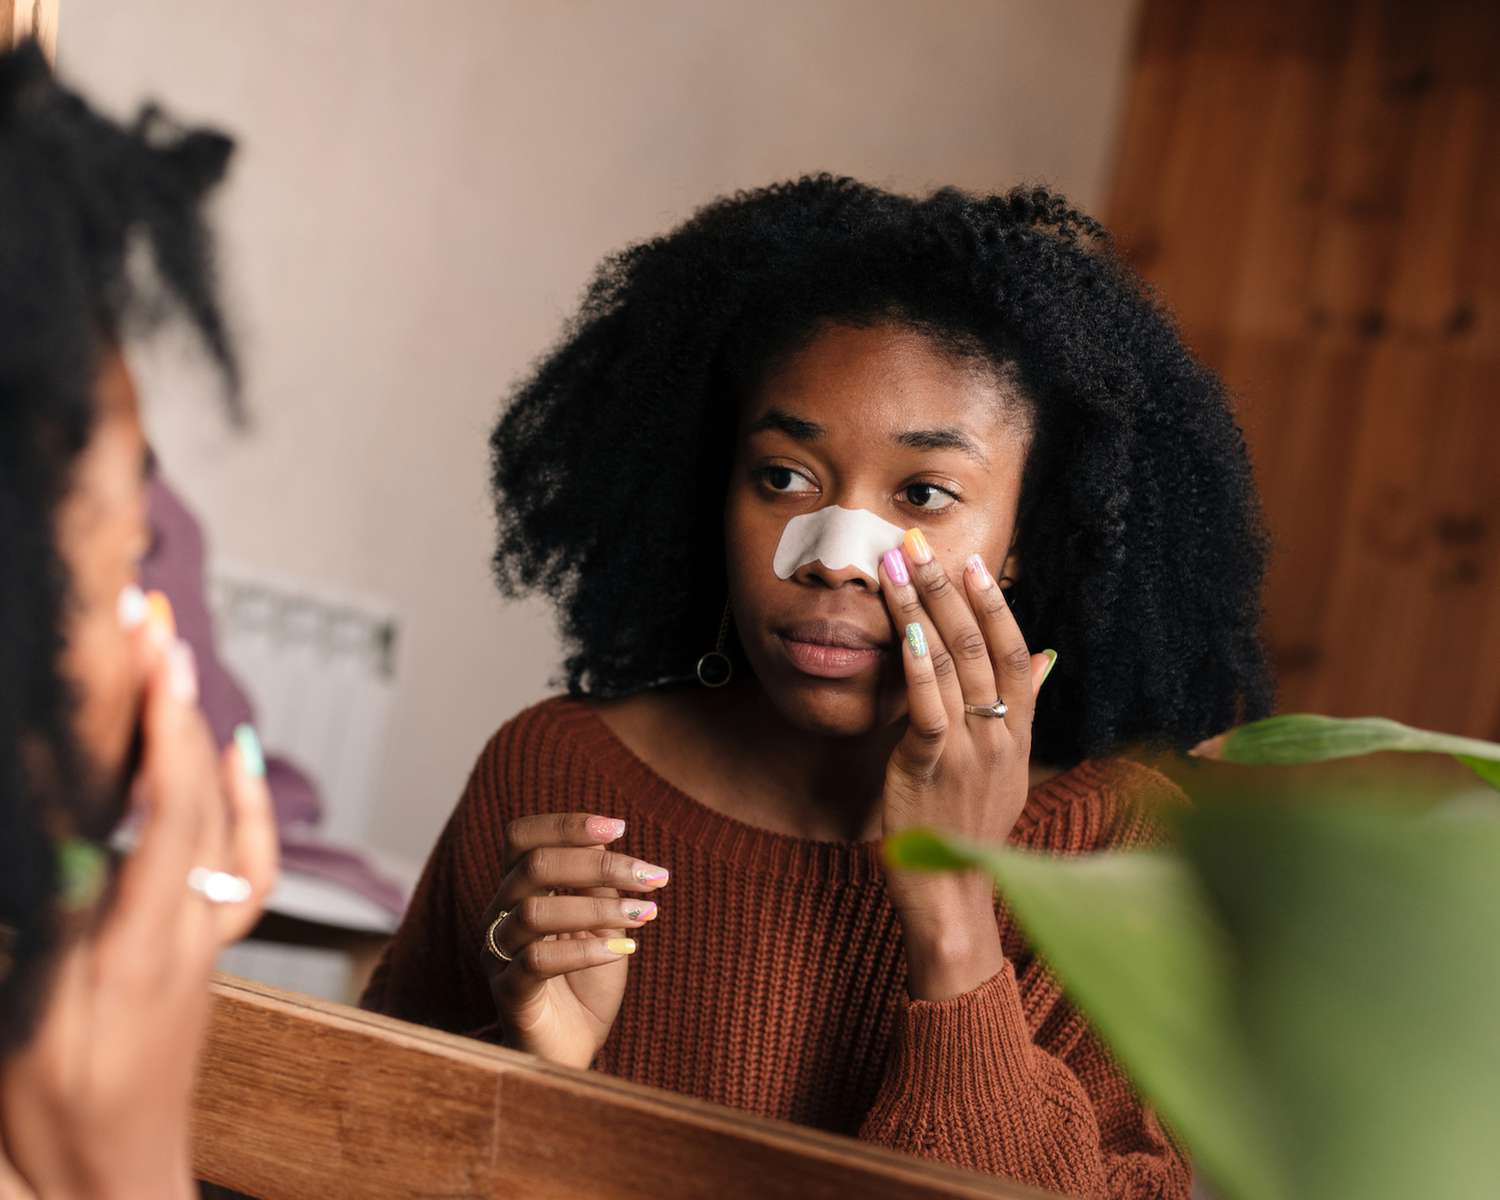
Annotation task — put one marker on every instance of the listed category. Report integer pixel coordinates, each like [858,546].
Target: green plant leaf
[1295,738]
[1367,941]
[1132,935]
[1487,769]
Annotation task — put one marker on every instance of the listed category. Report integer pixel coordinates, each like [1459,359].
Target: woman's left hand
[954,770]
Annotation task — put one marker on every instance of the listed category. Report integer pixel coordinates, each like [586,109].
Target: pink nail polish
[651,875]
[605,829]
[980,572]
[640,910]
[895,567]
[182,672]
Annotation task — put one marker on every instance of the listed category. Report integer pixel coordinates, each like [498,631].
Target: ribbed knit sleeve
[968,1082]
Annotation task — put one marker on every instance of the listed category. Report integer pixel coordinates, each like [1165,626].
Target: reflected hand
[954,770]
[559,994]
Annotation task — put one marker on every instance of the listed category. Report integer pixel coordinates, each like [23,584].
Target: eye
[786,480]
[928,497]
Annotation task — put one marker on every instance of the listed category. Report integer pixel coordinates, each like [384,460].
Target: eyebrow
[942,439]
[794,427]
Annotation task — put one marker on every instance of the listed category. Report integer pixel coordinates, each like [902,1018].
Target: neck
[771,773]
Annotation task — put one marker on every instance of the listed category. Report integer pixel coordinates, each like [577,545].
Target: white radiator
[320,670]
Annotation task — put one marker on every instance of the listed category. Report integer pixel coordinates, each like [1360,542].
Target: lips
[831,649]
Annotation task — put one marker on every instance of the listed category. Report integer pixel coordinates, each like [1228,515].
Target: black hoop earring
[716,668]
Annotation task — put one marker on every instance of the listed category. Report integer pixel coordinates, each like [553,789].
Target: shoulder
[1100,804]
[549,733]
[558,755]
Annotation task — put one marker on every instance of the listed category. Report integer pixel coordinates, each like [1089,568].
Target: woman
[858,453]
[103,972]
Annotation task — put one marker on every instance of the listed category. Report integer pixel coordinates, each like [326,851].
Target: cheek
[102,666]
[750,534]
[984,533]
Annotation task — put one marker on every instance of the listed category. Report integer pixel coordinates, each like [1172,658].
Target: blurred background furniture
[304,1100]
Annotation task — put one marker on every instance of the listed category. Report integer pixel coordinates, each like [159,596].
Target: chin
[847,708]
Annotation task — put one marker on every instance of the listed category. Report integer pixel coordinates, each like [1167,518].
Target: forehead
[884,378]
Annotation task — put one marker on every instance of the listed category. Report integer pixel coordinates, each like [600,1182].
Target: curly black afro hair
[78,196]
[1139,531]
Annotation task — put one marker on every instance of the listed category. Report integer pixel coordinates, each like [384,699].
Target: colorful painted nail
[604,829]
[981,574]
[182,672]
[1051,662]
[640,910]
[917,640]
[653,875]
[252,758]
[131,607]
[895,566]
[917,548]
[81,867]
[620,945]
[159,613]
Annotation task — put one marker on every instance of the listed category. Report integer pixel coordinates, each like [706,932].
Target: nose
[817,574]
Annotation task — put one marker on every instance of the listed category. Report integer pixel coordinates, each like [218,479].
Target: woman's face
[884,420]
[103,532]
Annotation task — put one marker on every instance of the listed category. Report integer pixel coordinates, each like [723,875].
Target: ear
[1011,568]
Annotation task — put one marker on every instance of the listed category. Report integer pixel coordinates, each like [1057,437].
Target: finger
[948,604]
[549,959]
[904,604]
[254,850]
[558,829]
[551,867]
[539,917]
[176,787]
[1016,676]
[928,719]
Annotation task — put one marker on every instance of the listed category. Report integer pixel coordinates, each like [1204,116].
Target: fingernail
[982,578]
[917,640]
[895,567]
[252,758]
[182,672]
[604,829]
[655,875]
[131,607]
[917,548]
[81,873]
[640,910]
[1051,662]
[620,945]
[159,613]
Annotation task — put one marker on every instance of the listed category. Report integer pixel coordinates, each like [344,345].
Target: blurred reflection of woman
[103,972]
[860,454]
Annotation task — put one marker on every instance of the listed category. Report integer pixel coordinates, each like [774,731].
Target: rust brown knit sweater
[774,979]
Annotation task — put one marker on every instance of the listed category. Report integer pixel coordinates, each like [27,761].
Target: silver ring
[998,709]
[219,887]
[491,944]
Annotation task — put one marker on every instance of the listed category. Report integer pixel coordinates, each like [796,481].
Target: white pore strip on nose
[837,538]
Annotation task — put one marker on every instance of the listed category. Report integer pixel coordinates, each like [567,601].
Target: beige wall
[422,191]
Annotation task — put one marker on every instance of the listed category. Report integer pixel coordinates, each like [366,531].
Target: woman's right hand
[97,1102]
[559,994]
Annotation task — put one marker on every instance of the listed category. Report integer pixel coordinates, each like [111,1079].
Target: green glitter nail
[82,867]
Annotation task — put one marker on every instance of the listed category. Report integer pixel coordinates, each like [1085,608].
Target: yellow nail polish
[917,548]
[159,614]
[621,945]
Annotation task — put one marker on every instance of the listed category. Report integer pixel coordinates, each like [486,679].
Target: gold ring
[490,943]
